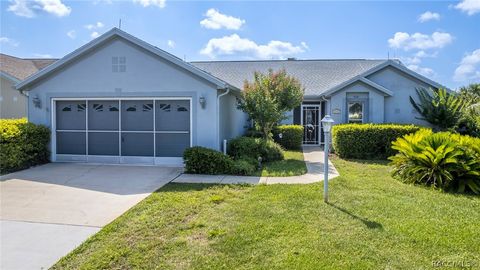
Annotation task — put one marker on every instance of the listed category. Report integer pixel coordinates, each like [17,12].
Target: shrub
[441,108]
[442,160]
[368,141]
[203,160]
[22,144]
[243,166]
[253,148]
[291,138]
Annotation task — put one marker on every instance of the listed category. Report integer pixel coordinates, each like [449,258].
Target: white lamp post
[327,123]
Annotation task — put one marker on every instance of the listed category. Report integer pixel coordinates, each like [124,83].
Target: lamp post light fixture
[327,123]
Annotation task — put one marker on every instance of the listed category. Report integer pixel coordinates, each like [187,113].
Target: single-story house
[13,103]
[118,99]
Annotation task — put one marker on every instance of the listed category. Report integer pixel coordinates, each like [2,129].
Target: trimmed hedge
[253,148]
[292,136]
[203,160]
[368,141]
[22,144]
[244,166]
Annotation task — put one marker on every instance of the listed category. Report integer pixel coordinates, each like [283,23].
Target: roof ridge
[295,60]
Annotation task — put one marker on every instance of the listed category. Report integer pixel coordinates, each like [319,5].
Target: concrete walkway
[313,156]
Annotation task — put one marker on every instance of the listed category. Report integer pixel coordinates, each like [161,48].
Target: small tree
[441,109]
[269,97]
[470,94]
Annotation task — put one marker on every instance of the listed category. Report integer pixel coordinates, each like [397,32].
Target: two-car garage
[121,130]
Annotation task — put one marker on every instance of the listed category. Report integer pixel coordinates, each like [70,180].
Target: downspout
[325,100]
[218,114]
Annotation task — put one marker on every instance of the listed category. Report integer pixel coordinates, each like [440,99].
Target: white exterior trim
[174,161]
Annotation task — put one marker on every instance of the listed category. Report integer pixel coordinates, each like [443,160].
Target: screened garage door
[152,131]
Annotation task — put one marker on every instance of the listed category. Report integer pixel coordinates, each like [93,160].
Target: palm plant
[443,160]
[441,109]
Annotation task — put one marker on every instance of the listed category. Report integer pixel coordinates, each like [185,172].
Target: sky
[438,39]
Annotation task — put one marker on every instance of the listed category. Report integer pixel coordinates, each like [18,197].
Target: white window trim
[363,112]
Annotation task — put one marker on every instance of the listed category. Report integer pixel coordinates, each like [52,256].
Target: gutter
[218,113]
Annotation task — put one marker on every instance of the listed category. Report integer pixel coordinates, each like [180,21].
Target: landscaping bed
[372,222]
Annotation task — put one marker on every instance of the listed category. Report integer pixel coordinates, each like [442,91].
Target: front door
[310,122]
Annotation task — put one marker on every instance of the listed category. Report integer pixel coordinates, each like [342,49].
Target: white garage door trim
[116,159]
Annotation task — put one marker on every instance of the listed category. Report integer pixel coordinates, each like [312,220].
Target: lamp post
[327,123]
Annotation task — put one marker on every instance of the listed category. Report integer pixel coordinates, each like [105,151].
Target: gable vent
[119,64]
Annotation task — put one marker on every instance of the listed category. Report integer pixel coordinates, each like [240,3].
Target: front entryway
[127,130]
[311,124]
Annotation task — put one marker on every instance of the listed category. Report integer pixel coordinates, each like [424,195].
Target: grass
[292,165]
[372,222]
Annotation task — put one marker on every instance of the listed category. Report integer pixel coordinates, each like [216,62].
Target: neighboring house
[118,99]
[13,103]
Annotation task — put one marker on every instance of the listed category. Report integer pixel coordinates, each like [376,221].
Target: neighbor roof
[317,76]
[21,68]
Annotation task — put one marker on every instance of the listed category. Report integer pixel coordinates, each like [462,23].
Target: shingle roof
[22,68]
[317,76]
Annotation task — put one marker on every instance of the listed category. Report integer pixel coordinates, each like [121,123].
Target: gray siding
[375,107]
[12,103]
[233,122]
[146,75]
[398,108]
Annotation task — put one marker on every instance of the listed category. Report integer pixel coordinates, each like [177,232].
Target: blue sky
[438,39]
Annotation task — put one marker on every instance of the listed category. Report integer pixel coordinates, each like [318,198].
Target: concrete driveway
[48,210]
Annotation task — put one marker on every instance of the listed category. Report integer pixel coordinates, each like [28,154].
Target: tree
[269,97]
[441,109]
[470,93]
[470,122]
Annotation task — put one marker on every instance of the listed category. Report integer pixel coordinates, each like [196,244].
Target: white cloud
[9,41]
[42,55]
[423,54]
[94,34]
[304,45]
[405,41]
[428,16]
[217,20]
[171,43]
[469,68]
[72,34]
[94,26]
[428,72]
[146,3]
[469,6]
[30,8]
[234,44]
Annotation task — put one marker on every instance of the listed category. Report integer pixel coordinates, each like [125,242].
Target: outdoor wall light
[203,102]
[37,102]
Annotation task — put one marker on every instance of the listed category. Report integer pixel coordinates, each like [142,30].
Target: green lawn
[372,222]
[293,164]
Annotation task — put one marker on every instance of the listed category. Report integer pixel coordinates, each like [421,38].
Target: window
[119,64]
[355,112]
